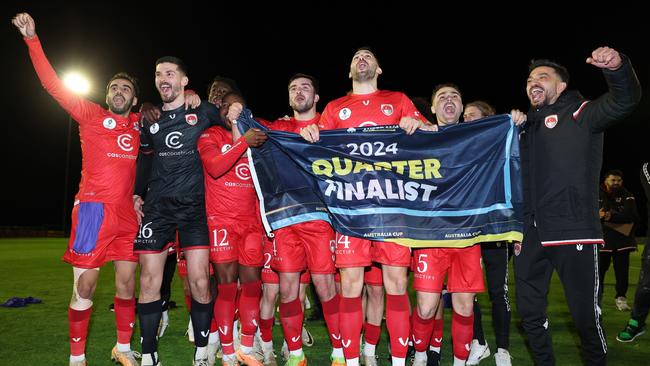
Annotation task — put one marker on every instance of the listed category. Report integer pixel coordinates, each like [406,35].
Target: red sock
[462,327]
[398,324]
[421,331]
[291,316]
[331,314]
[78,330]
[266,329]
[438,330]
[350,321]
[249,311]
[224,314]
[188,302]
[124,319]
[371,333]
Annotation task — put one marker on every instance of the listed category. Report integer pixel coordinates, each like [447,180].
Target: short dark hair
[615,172]
[314,81]
[483,106]
[222,79]
[173,60]
[237,94]
[369,49]
[444,85]
[129,78]
[562,71]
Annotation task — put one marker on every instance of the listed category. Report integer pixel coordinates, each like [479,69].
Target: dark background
[485,51]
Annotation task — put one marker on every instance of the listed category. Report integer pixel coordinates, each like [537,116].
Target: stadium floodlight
[78,84]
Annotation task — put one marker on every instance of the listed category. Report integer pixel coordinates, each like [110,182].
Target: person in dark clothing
[636,325]
[618,214]
[561,156]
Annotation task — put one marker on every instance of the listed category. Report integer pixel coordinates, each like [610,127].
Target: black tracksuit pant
[577,267]
[621,259]
[495,260]
[642,294]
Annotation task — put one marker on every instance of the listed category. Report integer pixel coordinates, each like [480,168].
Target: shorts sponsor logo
[124,142]
[550,121]
[109,123]
[173,140]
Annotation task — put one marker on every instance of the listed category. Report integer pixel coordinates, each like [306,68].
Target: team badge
[345,113]
[154,128]
[517,248]
[225,148]
[109,123]
[550,121]
[191,119]
[136,126]
[387,109]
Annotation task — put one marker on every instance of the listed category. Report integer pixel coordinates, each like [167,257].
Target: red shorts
[235,242]
[305,245]
[101,232]
[373,275]
[462,266]
[271,276]
[355,252]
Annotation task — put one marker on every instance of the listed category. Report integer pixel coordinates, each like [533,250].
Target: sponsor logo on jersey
[109,123]
[550,121]
[387,109]
[243,172]
[154,128]
[191,119]
[124,142]
[173,140]
[345,113]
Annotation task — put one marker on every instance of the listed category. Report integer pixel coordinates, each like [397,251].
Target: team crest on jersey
[225,148]
[550,121]
[387,109]
[191,119]
[109,123]
[345,113]
[154,128]
[517,248]
[136,126]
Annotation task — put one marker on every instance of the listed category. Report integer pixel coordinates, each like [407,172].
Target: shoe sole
[631,339]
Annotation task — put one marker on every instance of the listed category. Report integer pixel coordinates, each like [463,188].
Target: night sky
[485,53]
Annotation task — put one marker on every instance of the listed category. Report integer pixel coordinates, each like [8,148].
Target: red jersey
[293,125]
[362,110]
[109,143]
[229,189]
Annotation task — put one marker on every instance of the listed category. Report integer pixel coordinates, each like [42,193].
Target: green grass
[37,334]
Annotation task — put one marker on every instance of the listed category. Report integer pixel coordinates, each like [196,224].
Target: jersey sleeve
[327,120]
[80,109]
[214,162]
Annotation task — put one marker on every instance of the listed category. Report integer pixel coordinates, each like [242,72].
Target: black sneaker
[433,358]
[631,331]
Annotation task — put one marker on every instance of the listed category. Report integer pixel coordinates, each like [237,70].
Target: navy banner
[452,188]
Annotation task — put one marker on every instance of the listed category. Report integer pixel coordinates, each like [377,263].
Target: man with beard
[369,106]
[306,245]
[104,223]
[618,214]
[561,156]
[171,175]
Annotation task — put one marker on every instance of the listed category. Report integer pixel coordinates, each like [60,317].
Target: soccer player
[369,106]
[104,223]
[170,167]
[305,245]
[236,233]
